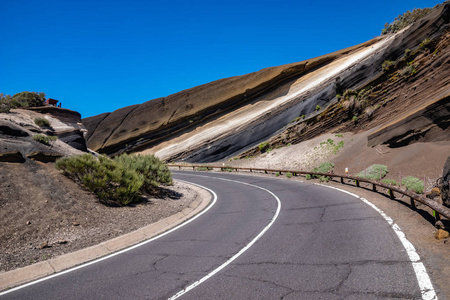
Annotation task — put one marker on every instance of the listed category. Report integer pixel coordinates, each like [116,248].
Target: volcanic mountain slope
[226,117]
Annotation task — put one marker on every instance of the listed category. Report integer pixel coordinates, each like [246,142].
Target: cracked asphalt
[324,245]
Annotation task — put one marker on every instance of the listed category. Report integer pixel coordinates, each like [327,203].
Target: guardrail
[436,207]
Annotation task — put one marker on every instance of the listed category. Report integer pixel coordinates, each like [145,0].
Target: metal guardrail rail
[438,208]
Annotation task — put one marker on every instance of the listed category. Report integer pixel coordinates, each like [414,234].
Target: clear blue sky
[98,56]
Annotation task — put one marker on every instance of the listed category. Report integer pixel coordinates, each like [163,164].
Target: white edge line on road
[124,250]
[425,285]
[193,285]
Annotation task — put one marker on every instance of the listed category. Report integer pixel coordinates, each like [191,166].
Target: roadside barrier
[437,208]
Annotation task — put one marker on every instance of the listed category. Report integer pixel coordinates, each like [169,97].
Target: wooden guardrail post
[437,216]
[342,180]
[413,203]
[357,183]
[374,187]
[391,194]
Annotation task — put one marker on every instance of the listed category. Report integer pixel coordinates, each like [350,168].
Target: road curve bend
[265,238]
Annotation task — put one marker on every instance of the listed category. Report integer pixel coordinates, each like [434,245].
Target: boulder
[12,156]
[441,234]
[445,193]
[74,139]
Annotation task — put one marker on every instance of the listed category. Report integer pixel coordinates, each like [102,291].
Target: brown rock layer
[167,122]
[158,119]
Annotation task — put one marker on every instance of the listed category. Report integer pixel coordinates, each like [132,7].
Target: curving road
[264,238]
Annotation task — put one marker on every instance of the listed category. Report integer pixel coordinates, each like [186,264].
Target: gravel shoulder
[43,214]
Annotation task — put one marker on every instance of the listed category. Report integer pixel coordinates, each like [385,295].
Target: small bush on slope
[42,122]
[119,180]
[413,184]
[325,167]
[155,171]
[111,182]
[21,100]
[373,172]
[44,139]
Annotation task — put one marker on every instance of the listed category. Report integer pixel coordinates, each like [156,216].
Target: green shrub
[318,107]
[263,146]
[405,19]
[21,100]
[425,42]
[325,167]
[373,172]
[387,64]
[389,181]
[308,177]
[202,169]
[338,146]
[109,180]
[227,169]
[42,122]
[155,171]
[413,184]
[407,71]
[277,174]
[5,103]
[44,139]
[288,174]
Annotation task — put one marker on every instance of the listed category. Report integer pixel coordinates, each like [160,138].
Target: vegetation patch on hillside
[374,172]
[325,167]
[406,19]
[21,100]
[117,181]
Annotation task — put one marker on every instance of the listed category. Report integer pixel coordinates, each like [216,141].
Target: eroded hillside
[226,117]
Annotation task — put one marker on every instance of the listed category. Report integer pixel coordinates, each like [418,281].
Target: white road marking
[425,285]
[193,285]
[121,251]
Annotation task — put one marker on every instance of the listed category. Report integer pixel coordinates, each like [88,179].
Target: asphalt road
[312,243]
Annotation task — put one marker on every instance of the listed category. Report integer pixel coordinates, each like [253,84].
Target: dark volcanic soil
[38,204]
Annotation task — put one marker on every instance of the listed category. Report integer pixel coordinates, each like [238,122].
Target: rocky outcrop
[18,127]
[429,123]
[139,127]
[445,190]
[12,156]
[44,156]
[11,129]
[190,125]
[406,107]
[66,125]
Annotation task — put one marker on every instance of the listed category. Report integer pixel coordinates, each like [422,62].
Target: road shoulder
[39,270]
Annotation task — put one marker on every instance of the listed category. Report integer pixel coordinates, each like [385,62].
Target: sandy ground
[40,205]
